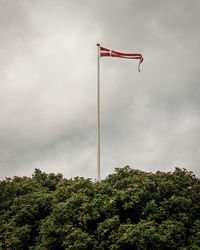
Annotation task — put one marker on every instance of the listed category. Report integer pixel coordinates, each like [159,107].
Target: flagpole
[98,112]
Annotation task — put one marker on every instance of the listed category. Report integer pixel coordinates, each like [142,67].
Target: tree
[130,209]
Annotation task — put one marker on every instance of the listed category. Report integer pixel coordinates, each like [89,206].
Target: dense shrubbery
[130,209]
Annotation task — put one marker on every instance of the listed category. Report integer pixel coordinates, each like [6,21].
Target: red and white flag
[112,53]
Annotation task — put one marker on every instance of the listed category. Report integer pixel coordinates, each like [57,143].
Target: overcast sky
[48,77]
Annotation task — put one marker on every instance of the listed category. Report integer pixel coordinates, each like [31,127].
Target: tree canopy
[130,209]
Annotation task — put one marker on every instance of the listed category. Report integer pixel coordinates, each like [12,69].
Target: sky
[48,86]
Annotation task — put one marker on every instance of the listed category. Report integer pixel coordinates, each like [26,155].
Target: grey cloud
[149,120]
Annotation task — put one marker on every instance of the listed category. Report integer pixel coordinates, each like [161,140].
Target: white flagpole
[98,112]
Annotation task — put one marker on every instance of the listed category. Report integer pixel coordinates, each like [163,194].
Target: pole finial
[98,44]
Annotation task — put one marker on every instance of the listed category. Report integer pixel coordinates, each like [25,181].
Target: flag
[107,52]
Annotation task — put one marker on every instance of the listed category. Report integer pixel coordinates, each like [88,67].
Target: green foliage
[130,209]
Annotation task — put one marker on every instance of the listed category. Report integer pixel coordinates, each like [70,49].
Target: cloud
[149,120]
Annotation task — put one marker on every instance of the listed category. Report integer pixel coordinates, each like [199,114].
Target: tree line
[130,209]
